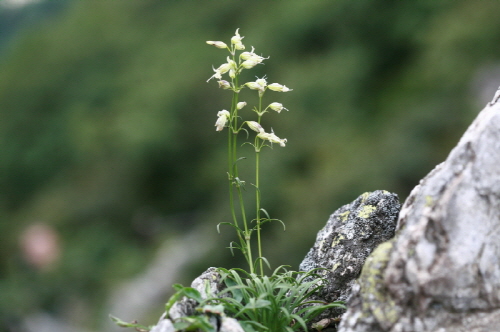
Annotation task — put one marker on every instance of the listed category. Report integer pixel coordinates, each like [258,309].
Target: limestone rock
[229,324]
[442,271]
[164,325]
[347,239]
[208,284]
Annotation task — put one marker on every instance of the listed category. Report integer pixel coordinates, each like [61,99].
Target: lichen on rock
[442,271]
[350,235]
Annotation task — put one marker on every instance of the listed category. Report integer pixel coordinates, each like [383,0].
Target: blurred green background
[112,175]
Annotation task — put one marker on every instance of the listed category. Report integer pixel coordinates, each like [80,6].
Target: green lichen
[429,200]
[343,216]
[320,247]
[376,301]
[337,240]
[364,196]
[366,211]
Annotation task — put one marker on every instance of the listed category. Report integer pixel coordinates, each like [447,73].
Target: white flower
[250,63]
[262,82]
[271,137]
[222,120]
[217,44]
[247,55]
[278,87]
[229,66]
[236,41]
[259,84]
[241,104]
[255,126]
[252,56]
[278,107]
[219,71]
[217,75]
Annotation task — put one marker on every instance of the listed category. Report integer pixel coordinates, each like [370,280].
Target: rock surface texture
[208,284]
[347,239]
[441,272]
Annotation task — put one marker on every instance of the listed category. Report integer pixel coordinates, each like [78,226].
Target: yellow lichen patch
[364,196]
[343,216]
[366,211]
[320,247]
[335,266]
[376,300]
[429,201]
[337,240]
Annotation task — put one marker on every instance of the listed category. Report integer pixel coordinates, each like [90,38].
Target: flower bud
[241,104]
[222,120]
[231,63]
[236,41]
[278,107]
[278,87]
[253,85]
[255,126]
[224,84]
[232,73]
[224,68]
[217,44]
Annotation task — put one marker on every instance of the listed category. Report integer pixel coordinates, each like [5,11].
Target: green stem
[230,166]
[244,238]
[247,234]
[257,199]
[257,193]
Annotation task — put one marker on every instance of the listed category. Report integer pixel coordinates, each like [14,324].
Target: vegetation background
[110,163]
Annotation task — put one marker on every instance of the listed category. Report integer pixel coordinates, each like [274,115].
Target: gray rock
[442,271]
[164,325]
[208,284]
[347,239]
[229,324]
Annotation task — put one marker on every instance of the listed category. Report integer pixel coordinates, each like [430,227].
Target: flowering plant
[236,63]
[279,302]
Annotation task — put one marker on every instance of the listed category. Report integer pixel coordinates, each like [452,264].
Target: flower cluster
[233,66]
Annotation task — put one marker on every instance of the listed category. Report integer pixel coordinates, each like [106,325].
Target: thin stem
[245,242]
[247,233]
[231,176]
[257,192]
[257,199]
